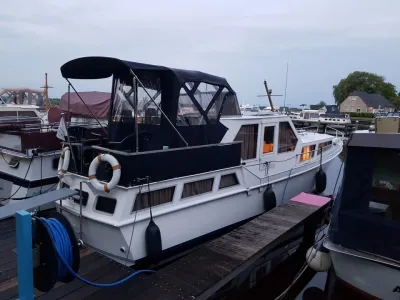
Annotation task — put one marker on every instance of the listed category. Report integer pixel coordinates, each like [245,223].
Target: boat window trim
[102,211]
[133,210]
[201,192]
[245,142]
[295,138]
[311,152]
[274,140]
[228,186]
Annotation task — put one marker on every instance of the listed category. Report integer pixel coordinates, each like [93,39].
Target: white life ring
[107,187]
[63,162]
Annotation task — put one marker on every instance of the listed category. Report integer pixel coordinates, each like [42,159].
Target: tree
[396,102]
[363,82]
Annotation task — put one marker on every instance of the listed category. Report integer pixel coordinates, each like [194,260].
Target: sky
[322,41]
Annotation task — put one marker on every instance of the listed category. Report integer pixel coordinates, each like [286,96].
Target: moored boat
[184,169]
[364,234]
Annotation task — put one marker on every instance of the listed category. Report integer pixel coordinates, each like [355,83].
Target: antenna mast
[46,88]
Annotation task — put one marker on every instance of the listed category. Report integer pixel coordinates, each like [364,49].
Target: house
[364,102]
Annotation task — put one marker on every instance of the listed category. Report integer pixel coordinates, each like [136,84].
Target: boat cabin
[158,117]
[366,212]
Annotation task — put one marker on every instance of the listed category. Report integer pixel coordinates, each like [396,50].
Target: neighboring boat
[310,117]
[29,148]
[384,123]
[364,234]
[255,110]
[29,153]
[185,169]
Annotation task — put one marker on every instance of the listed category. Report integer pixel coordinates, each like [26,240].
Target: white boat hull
[375,276]
[180,225]
[32,176]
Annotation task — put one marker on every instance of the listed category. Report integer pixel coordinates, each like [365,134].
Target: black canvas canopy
[371,175]
[97,67]
[192,101]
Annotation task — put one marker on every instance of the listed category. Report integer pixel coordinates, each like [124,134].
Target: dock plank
[198,274]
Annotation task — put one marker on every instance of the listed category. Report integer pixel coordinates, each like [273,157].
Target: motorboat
[364,233]
[30,149]
[310,117]
[187,167]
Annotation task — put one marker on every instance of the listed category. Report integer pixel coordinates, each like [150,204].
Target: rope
[63,246]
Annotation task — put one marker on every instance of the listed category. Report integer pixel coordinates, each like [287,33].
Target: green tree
[396,102]
[363,82]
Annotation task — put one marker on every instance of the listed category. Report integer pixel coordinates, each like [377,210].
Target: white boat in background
[29,153]
[308,117]
[186,171]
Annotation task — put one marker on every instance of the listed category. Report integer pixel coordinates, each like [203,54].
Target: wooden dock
[220,268]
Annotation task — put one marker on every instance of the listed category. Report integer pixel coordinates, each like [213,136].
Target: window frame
[295,135]
[174,187]
[275,142]
[230,186]
[257,131]
[102,211]
[312,155]
[194,181]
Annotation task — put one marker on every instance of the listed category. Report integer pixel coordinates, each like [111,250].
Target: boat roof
[18,106]
[98,67]
[375,140]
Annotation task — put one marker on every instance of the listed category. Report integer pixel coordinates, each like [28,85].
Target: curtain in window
[197,187]
[248,136]
[287,138]
[157,197]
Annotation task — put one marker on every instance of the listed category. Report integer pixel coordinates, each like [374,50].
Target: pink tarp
[98,102]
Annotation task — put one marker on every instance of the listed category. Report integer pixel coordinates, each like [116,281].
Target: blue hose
[62,244]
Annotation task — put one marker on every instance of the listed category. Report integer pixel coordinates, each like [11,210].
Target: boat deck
[204,272]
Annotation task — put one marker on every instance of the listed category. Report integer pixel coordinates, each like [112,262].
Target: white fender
[107,187]
[318,258]
[63,162]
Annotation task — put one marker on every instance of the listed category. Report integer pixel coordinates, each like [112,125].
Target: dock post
[24,255]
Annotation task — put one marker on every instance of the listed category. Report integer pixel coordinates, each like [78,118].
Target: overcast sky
[243,41]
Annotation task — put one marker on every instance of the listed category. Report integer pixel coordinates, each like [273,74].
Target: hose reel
[46,265]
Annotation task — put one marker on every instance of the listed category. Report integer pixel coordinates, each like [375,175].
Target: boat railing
[32,124]
[316,129]
[338,133]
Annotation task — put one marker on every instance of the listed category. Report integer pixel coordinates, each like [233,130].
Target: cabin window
[324,146]
[148,112]
[30,114]
[197,187]
[224,98]
[124,98]
[106,205]
[230,104]
[157,197]
[307,152]
[287,138]
[8,114]
[228,180]
[268,145]
[122,111]
[188,114]
[248,136]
